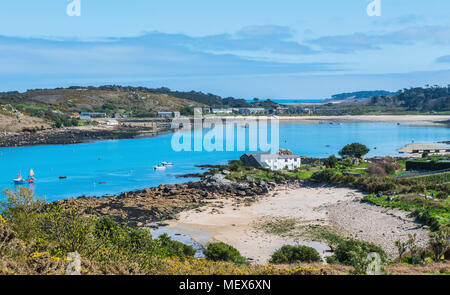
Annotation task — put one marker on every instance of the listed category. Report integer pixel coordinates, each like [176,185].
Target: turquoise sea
[115,166]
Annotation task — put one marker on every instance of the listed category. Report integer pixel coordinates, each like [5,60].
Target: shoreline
[73,135]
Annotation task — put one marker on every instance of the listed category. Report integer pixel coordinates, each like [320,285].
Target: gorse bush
[22,209]
[56,230]
[292,254]
[223,252]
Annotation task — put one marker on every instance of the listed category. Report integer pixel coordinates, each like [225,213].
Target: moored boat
[20,180]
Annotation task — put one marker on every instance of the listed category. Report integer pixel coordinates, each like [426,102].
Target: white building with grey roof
[271,161]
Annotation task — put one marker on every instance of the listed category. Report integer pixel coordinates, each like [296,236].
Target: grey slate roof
[262,157]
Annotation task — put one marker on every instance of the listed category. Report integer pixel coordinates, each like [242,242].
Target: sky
[285,49]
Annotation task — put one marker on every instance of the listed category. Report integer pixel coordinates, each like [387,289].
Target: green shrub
[353,252]
[223,252]
[331,161]
[442,195]
[176,248]
[21,209]
[235,165]
[325,175]
[332,260]
[292,254]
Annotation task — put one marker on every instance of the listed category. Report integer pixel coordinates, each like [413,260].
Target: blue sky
[269,49]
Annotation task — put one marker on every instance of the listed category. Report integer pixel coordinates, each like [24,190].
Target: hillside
[361,94]
[41,108]
[430,99]
[68,100]
[197,96]
[417,100]
[13,121]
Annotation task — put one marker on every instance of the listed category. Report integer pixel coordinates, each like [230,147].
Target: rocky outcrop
[165,201]
[64,136]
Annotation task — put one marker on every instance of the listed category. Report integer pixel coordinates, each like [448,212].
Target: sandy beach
[244,226]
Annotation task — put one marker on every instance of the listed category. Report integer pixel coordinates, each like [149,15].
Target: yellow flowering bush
[2,220]
[193,266]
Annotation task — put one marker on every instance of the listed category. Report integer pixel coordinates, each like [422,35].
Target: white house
[252,111]
[85,118]
[165,114]
[222,111]
[111,122]
[271,161]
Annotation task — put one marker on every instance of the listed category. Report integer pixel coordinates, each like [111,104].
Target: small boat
[63,177]
[167,163]
[20,180]
[159,167]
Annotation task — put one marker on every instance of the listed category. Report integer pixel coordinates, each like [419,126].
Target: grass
[280,226]
[32,107]
[433,212]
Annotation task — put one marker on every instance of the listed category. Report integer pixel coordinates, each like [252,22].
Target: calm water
[126,165]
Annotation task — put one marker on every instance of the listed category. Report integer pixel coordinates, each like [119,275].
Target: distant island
[361,95]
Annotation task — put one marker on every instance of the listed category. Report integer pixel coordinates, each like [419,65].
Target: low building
[118,115]
[271,161]
[74,116]
[252,111]
[430,148]
[93,114]
[85,118]
[165,114]
[222,111]
[111,122]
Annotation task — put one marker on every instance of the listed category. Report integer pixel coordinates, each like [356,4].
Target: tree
[331,161]
[187,111]
[355,150]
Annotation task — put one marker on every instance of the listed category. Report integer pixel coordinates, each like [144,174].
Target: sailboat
[31,178]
